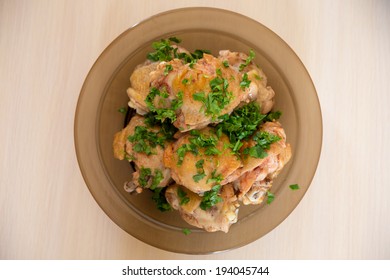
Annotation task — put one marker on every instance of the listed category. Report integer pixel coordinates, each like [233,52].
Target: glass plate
[104,91]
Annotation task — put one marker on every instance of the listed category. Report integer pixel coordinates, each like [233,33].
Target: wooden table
[46,51]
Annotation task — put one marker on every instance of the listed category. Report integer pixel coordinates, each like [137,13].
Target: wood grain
[47,49]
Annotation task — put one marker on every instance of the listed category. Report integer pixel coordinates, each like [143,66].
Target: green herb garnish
[164,51]
[184,199]
[225,63]
[160,200]
[185,81]
[164,113]
[199,176]
[270,197]
[199,164]
[294,187]
[144,176]
[122,110]
[241,124]
[245,82]
[144,140]
[168,68]
[272,116]
[186,231]
[211,198]
[263,141]
[248,60]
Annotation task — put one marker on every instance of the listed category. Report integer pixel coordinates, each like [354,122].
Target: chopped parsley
[186,231]
[211,198]
[199,164]
[248,60]
[245,82]
[146,177]
[157,178]
[198,176]
[294,187]
[201,174]
[183,149]
[270,197]
[122,110]
[184,199]
[225,63]
[241,124]
[215,178]
[273,116]
[263,141]
[218,98]
[164,51]
[167,129]
[168,68]
[164,113]
[185,81]
[160,200]
[144,140]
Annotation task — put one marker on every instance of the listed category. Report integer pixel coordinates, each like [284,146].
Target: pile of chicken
[181,139]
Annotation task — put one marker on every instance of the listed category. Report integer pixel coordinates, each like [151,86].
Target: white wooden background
[46,50]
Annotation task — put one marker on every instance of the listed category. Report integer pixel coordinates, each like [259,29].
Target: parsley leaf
[270,197]
[123,110]
[144,140]
[199,176]
[242,123]
[294,187]
[272,116]
[157,178]
[211,198]
[160,200]
[164,113]
[144,176]
[199,163]
[263,141]
[248,60]
[186,231]
[245,82]
[184,199]
[168,68]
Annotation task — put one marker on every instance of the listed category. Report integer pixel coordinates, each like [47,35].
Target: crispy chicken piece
[255,177]
[258,89]
[140,85]
[215,167]
[217,218]
[124,149]
[219,86]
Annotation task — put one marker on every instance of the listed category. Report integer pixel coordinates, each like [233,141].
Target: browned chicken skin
[124,149]
[222,164]
[218,218]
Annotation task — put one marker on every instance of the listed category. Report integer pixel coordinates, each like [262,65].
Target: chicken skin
[133,143]
[217,218]
[198,160]
[255,177]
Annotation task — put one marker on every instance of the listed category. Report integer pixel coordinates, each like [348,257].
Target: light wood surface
[46,51]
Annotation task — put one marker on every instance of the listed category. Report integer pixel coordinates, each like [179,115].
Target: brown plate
[104,92]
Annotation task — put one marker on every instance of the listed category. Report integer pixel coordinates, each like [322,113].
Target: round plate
[104,92]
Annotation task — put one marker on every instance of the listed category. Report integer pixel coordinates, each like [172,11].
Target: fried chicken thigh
[152,160]
[217,218]
[255,177]
[218,162]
